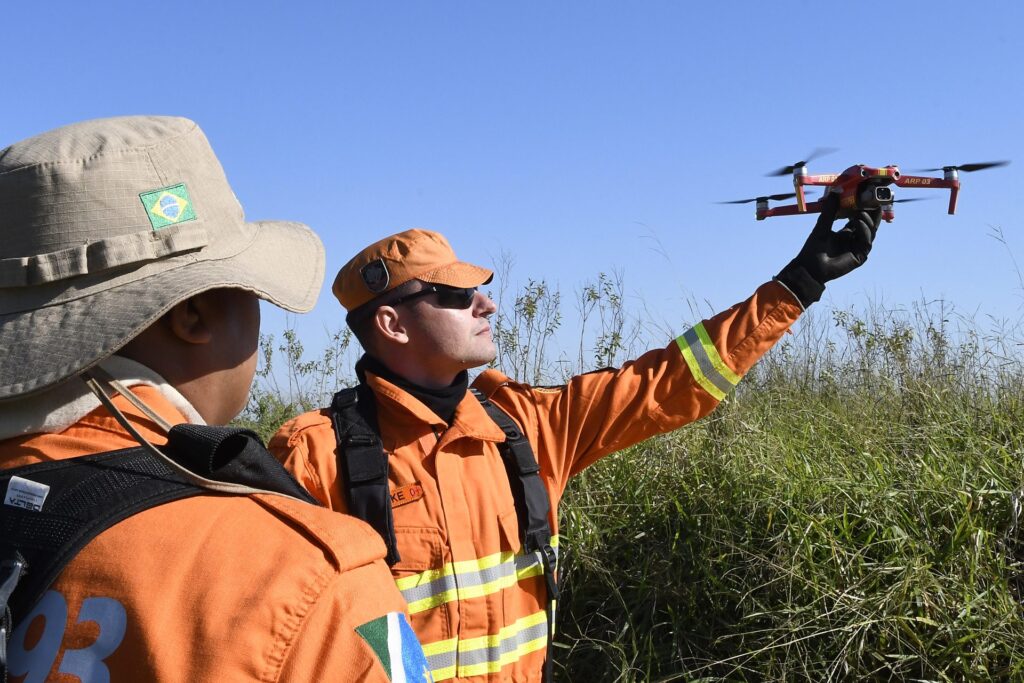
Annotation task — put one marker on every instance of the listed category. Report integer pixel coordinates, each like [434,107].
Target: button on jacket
[476,600]
[209,588]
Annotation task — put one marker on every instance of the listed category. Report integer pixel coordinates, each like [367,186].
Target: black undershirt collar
[442,402]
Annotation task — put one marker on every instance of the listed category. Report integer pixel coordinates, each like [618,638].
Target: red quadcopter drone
[860,187]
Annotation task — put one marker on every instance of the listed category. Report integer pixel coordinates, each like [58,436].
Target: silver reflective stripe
[465,580]
[441,661]
[707,366]
[487,654]
[496,652]
[469,579]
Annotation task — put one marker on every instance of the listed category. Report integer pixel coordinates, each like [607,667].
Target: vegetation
[851,512]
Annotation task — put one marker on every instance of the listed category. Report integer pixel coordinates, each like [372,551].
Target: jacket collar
[471,420]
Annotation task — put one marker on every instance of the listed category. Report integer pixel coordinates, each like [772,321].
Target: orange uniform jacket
[210,588]
[477,602]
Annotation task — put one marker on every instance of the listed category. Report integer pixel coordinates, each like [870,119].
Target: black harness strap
[51,510]
[532,507]
[362,462]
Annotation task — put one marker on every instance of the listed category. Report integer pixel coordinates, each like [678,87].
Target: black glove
[827,255]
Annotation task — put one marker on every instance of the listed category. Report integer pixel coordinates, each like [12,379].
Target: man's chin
[481,360]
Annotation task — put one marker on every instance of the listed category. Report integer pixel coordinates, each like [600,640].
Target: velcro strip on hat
[94,257]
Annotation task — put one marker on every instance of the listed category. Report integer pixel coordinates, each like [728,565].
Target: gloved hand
[827,255]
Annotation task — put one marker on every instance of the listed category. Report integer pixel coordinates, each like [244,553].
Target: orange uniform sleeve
[601,412]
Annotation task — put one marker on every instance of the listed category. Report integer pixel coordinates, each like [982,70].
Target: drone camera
[874,196]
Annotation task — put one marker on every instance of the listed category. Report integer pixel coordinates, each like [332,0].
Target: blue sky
[577,137]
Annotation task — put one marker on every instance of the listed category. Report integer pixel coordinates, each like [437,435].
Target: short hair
[360,320]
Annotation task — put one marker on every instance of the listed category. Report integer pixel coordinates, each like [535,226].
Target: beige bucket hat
[107,224]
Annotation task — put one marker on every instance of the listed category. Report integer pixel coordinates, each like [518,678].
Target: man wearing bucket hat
[463,486]
[129,287]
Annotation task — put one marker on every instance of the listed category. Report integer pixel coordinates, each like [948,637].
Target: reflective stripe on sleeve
[486,654]
[705,364]
[469,579]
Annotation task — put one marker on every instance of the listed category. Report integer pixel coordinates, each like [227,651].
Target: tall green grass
[851,512]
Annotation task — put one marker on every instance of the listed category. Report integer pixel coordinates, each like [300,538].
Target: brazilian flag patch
[393,641]
[168,206]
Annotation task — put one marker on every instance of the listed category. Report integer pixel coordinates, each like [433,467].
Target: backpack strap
[532,506]
[51,510]
[363,463]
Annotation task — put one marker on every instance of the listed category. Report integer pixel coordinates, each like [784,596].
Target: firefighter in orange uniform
[129,306]
[465,547]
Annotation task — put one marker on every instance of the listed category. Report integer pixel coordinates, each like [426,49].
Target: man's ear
[189,320]
[388,324]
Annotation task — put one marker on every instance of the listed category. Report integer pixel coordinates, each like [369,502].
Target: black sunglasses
[447,297]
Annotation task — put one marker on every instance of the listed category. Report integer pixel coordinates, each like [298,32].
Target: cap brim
[458,274]
[283,264]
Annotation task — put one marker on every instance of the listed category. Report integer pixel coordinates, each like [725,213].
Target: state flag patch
[392,639]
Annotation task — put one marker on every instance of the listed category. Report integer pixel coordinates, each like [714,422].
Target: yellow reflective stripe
[440,647]
[506,658]
[436,652]
[468,579]
[705,363]
[489,653]
[453,568]
[444,674]
[716,360]
[504,633]
[695,370]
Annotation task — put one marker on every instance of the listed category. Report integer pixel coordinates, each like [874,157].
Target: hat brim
[283,264]
[457,274]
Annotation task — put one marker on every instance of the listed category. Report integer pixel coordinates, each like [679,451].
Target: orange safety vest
[210,588]
[476,600]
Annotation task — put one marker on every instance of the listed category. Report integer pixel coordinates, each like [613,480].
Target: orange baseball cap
[411,255]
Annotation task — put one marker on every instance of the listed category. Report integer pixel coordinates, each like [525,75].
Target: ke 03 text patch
[404,495]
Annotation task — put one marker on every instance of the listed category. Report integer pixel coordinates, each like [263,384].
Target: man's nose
[482,305]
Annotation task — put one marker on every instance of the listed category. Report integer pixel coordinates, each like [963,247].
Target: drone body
[860,187]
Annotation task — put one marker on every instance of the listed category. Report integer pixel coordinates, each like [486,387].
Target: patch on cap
[168,206]
[375,276]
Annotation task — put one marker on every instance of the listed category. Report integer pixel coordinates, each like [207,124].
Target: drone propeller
[772,197]
[815,153]
[912,199]
[967,168]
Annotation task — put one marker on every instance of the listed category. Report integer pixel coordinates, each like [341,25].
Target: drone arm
[793,209]
[924,182]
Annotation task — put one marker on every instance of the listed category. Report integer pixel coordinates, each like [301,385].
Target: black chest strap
[363,464]
[51,510]
[532,508]
[531,498]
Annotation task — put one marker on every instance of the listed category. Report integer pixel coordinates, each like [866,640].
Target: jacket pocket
[424,577]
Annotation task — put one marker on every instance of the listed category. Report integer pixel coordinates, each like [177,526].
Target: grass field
[851,512]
